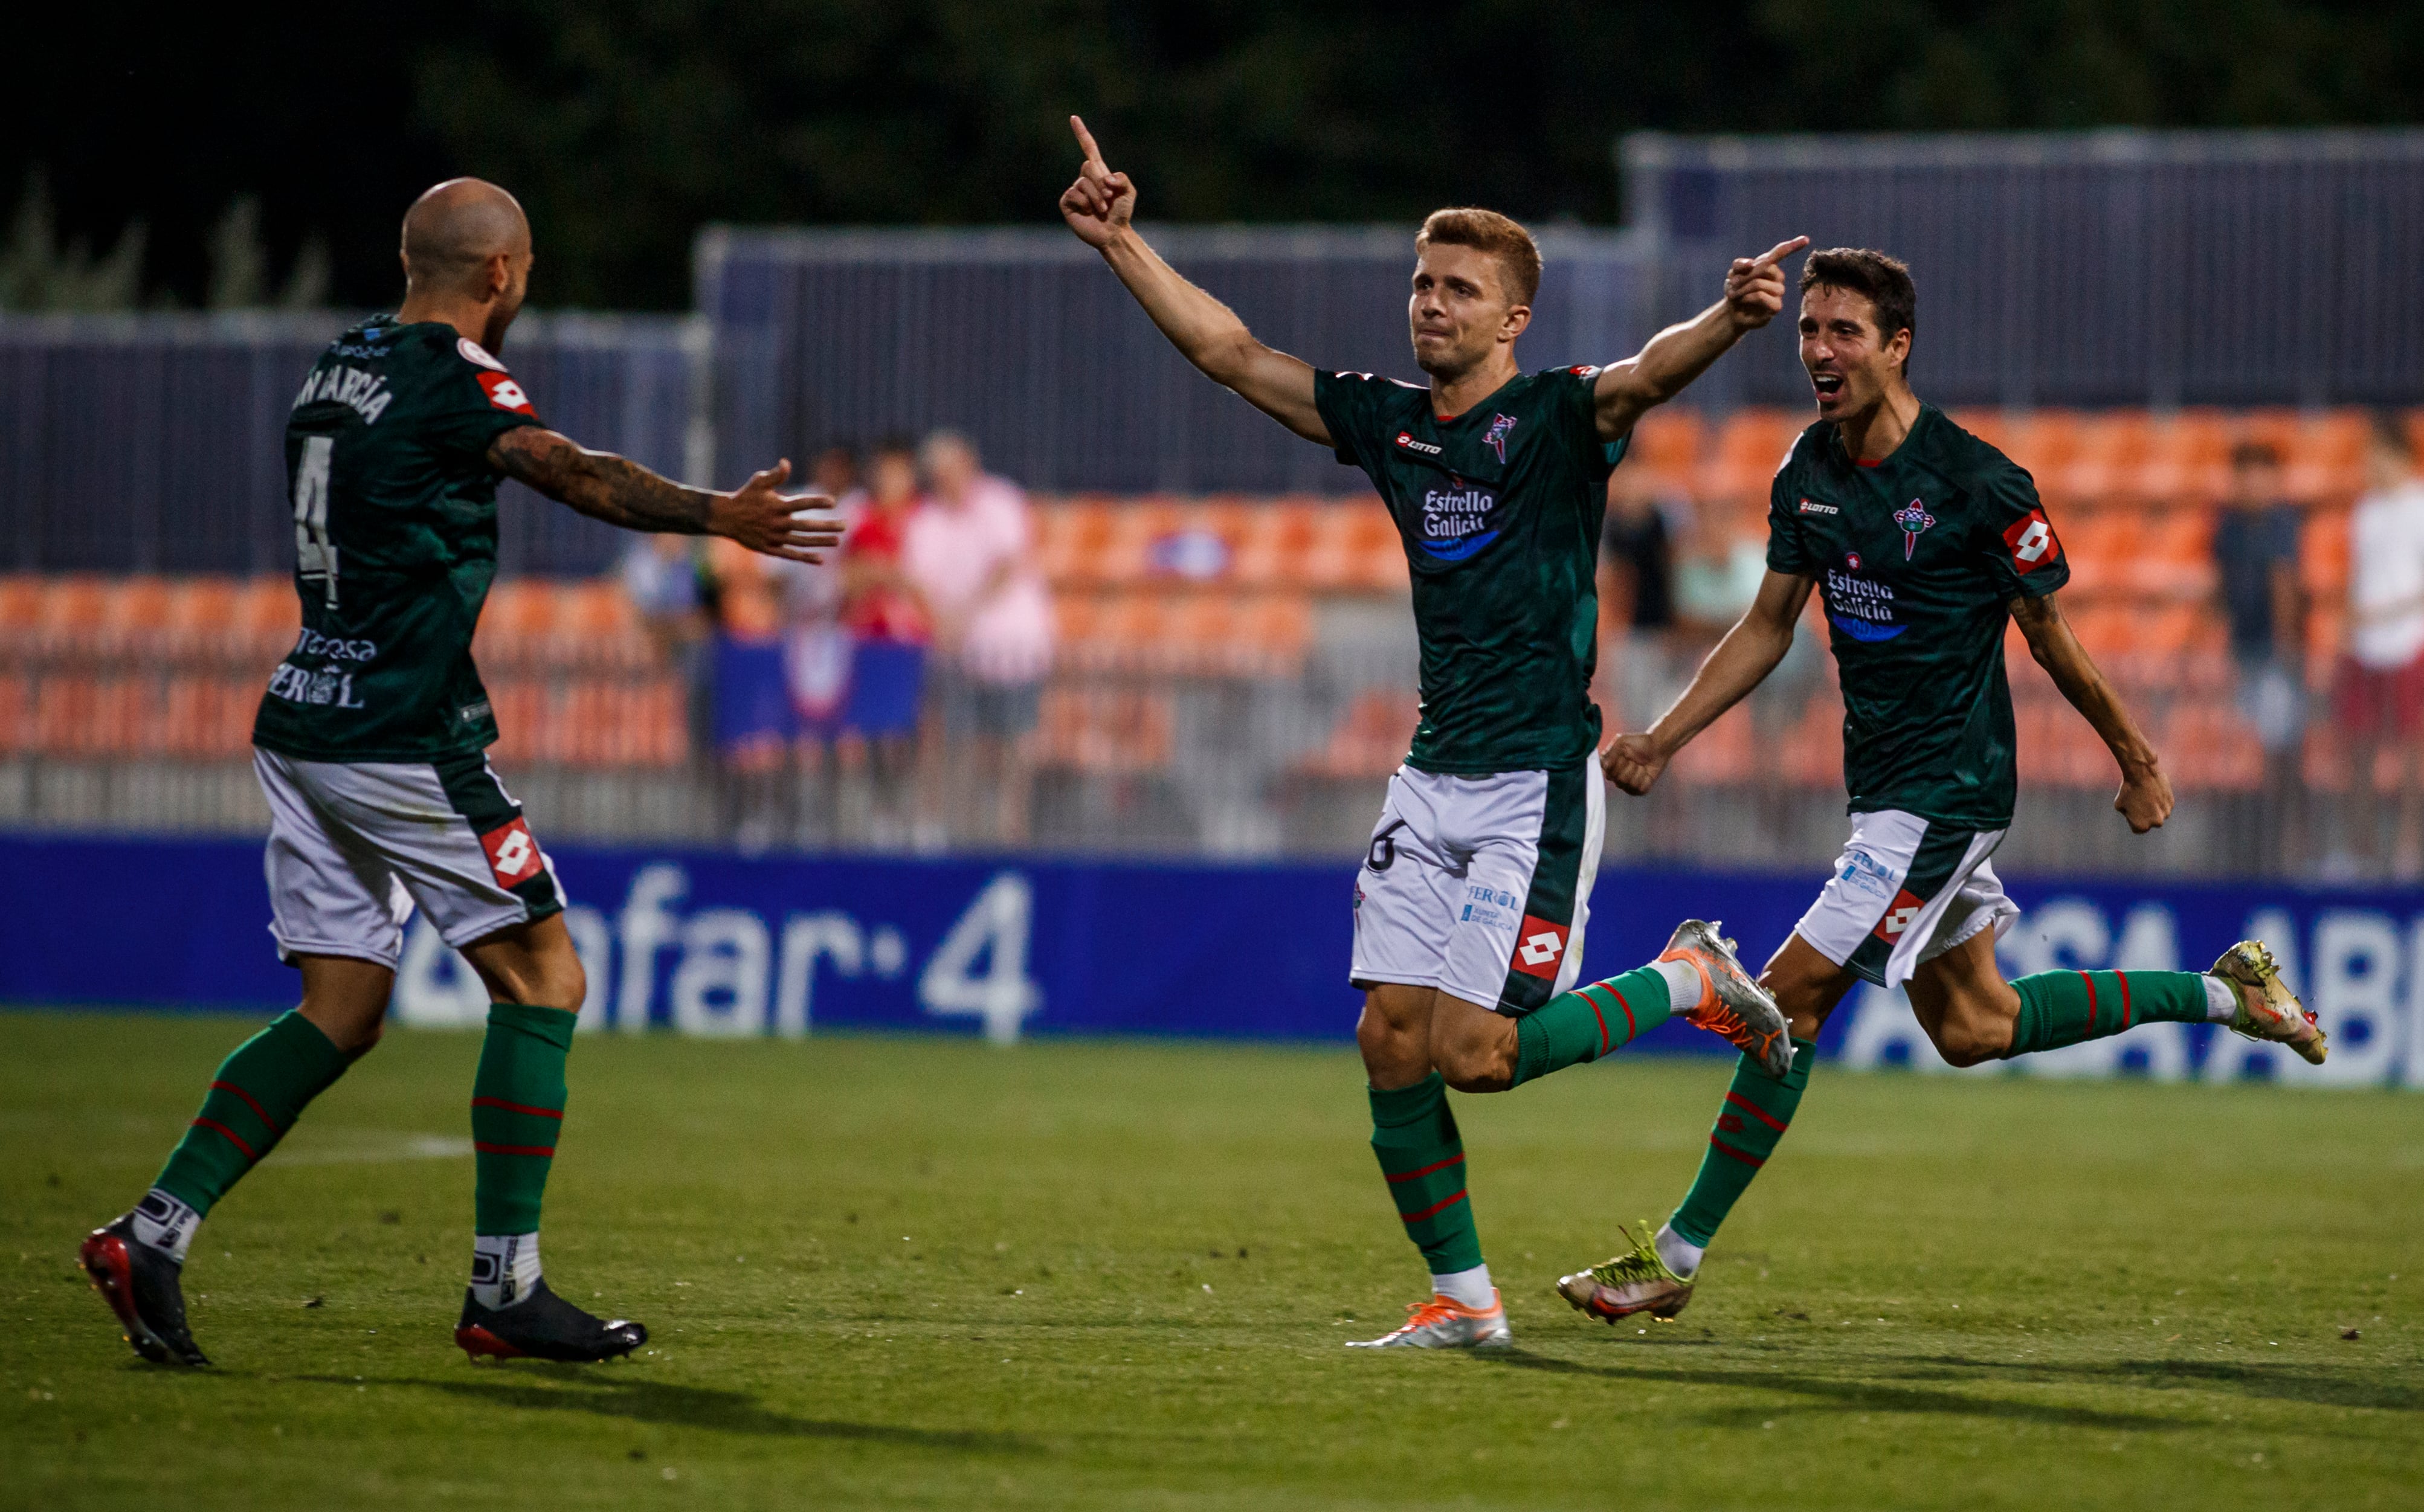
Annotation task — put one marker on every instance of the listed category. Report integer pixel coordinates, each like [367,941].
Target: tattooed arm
[605,486]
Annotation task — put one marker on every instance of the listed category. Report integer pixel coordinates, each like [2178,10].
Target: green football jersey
[1918,559]
[395,542]
[1499,510]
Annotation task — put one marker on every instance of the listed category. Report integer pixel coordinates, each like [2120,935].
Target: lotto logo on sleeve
[504,392]
[1907,906]
[513,855]
[2032,541]
[1540,948]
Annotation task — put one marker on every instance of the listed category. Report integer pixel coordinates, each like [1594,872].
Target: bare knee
[1971,1041]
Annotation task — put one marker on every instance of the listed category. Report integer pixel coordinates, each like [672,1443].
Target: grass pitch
[928,1273]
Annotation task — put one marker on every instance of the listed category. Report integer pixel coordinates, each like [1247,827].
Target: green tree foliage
[625,124]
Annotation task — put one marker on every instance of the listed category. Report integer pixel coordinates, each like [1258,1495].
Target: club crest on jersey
[1540,948]
[1852,560]
[1500,426]
[1913,518]
[1406,439]
[474,353]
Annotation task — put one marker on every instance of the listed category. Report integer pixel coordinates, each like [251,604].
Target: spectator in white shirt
[971,551]
[2379,696]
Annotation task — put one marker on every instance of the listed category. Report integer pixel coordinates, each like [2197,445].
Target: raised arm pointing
[1754,294]
[1098,207]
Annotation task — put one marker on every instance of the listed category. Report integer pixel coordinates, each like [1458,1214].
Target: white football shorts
[1904,892]
[1480,886]
[353,845]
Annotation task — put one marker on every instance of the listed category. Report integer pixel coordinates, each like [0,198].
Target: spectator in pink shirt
[970,549]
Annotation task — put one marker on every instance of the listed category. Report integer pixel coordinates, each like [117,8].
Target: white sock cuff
[505,1268]
[1682,984]
[1681,1255]
[2221,1000]
[1467,1288]
[166,1222]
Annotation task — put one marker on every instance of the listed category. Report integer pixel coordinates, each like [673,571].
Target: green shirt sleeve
[474,400]
[1348,402]
[1574,394]
[2021,552]
[1787,552]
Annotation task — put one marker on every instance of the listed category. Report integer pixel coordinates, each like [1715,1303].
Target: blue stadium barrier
[1009,947]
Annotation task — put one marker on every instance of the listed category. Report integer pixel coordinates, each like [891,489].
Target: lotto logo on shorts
[2032,541]
[1906,908]
[513,855]
[1540,948]
[504,392]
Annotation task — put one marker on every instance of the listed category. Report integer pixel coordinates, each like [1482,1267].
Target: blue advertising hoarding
[710,942]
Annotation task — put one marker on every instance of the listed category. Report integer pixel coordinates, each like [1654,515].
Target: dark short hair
[895,443]
[2251,452]
[1884,282]
[1488,231]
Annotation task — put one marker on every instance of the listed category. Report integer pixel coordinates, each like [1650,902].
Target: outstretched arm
[2146,796]
[1754,294]
[621,492]
[1740,662]
[1098,208]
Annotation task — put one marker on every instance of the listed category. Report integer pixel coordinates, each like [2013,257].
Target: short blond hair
[1487,230]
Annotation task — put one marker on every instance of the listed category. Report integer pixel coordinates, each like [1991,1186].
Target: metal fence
[152,443]
[2130,267]
[1022,339]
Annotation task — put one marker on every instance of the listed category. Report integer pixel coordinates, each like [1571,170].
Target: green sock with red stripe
[2059,1008]
[259,1092]
[1422,1154]
[1588,1022]
[516,1111]
[1757,1109]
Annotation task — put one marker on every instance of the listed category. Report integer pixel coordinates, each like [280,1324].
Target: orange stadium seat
[2323,553]
[2174,554]
[2111,448]
[1270,541]
[2326,458]
[2188,458]
[2100,543]
[1107,731]
[1724,754]
[1750,446]
[16,712]
[1371,737]
[2043,441]
[1667,443]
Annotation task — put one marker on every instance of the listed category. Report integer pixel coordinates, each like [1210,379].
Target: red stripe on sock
[2091,1003]
[221,1129]
[2122,977]
[1753,1161]
[250,1101]
[1631,1028]
[1604,1041]
[1756,1111]
[517,1108]
[1435,1207]
[1436,1164]
[513,1149]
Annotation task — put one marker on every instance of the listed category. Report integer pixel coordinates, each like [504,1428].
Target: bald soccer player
[369,746]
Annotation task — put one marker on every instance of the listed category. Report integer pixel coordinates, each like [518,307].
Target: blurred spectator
[971,551]
[754,720]
[817,656]
[662,577]
[890,629]
[2380,693]
[1636,594]
[2255,556]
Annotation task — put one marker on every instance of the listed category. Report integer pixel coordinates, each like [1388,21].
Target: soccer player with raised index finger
[1472,901]
[369,747]
[1922,541]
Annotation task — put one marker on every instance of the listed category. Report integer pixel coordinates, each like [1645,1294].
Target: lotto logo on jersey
[1906,908]
[2032,541]
[1540,948]
[504,392]
[513,855]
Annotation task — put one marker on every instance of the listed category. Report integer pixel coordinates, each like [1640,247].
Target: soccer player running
[369,746]
[1471,904]
[1921,539]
